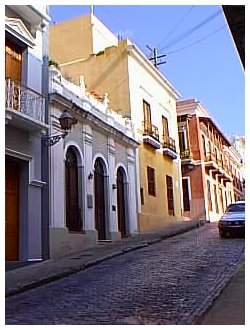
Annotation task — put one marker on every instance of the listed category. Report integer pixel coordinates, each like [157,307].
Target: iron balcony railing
[210,156]
[186,154]
[219,162]
[25,100]
[169,143]
[151,130]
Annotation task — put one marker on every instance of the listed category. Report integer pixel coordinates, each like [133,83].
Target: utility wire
[176,26]
[197,41]
[192,30]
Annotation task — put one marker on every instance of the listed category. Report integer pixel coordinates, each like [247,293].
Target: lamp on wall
[90,176]
[66,121]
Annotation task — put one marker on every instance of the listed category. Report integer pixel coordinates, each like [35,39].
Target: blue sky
[209,71]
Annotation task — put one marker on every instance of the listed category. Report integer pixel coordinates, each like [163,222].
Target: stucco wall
[99,143]
[127,82]
[75,33]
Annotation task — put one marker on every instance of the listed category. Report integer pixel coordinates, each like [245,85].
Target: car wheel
[222,235]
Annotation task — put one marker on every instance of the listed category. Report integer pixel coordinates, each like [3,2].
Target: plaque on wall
[90,201]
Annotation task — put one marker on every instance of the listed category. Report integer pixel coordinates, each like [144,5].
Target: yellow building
[84,47]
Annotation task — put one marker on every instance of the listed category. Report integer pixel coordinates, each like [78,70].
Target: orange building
[206,162]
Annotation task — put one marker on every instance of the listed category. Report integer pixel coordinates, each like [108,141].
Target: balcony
[211,162]
[25,108]
[186,154]
[227,175]
[169,148]
[151,135]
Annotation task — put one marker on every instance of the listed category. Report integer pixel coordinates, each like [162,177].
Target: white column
[138,180]
[88,179]
[58,204]
[132,191]
[113,219]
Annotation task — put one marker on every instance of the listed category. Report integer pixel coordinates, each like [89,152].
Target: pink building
[205,161]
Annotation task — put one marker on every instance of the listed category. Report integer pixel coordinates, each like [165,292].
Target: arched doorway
[99,184]
[121,202]
[73,216]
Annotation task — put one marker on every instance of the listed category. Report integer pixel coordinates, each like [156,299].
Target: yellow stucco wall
[128,81]
[70,40]
[154,212]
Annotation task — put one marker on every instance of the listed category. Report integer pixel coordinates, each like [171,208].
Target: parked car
[233,221]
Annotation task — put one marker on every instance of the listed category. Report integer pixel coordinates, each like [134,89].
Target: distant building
[93,170]
[26,57]
[238,174]
[136,90]
[239,144]
[206,162]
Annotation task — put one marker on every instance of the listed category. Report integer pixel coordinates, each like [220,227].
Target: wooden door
[13,61]
[73,217]
[100,223]
[121,202]
[11,210]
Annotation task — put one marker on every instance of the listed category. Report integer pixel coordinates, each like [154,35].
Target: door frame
[79,169]
[126,195]
[24,162]
[106,192]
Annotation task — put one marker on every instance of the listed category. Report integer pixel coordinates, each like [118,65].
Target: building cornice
[84,112]
[17,28]
[140,57]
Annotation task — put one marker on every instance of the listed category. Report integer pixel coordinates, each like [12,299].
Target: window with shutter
[165,127]
[182,140]
[147,117]
[186,196]
[142,196]
[216,200]
[170,194]
[151,181]
[209,196]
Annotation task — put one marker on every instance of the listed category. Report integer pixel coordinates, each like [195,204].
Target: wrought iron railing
[151,130]
[169,143]
[219,162]
[210,156]
[25,100]
[186,154]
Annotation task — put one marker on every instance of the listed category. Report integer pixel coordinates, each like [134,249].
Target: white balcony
[25,108]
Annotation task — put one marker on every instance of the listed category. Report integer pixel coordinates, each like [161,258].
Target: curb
[216,292]
[76,269]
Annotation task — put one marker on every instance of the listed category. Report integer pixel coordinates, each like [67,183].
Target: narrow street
[165,283]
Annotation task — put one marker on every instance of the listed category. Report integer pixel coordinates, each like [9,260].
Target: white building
[93,170]
[26,60]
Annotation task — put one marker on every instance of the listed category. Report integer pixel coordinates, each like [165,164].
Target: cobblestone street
[170,282]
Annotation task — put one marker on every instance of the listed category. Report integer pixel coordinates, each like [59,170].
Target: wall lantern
[66,121]
[90,176]
[114,186]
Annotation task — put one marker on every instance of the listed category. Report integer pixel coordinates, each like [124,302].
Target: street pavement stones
[151,285]
[22,279]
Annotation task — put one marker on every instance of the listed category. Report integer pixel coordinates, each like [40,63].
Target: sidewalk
[229,307]
[25,278]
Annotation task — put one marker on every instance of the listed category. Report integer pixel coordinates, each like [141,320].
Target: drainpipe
[45,155]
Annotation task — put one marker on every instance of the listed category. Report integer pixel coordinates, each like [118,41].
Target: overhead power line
[154,57]
[175,27]
[192,30]
[197,41]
